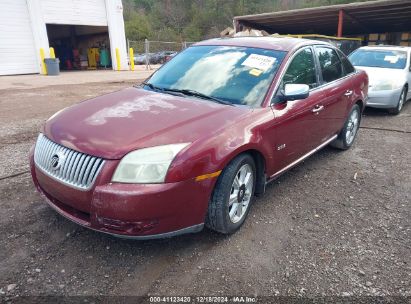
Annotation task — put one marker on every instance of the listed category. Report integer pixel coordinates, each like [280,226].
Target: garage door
[17,51]
[76,12]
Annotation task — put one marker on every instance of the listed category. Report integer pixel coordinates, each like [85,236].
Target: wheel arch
[361,104]
[260,165]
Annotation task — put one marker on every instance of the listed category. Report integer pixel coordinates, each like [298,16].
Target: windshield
[379,58]
[237,75]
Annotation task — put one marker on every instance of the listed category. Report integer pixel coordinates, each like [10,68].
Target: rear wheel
[232,195]
[348,133]
[401,101]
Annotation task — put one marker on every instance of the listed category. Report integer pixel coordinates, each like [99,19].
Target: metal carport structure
[336,20]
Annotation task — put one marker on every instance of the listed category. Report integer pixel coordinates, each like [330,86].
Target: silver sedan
[389,73]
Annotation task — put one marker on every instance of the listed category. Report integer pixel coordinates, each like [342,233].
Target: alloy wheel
[241,192]
[352,127]
[401,101]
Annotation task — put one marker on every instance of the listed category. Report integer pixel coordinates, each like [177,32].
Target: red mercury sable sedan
[196,141]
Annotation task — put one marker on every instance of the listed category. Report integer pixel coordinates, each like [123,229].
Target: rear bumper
[135,211]
[383,99]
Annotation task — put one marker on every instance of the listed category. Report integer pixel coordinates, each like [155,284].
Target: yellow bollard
[52,54]
[43,64]
[118,59]
[131,58]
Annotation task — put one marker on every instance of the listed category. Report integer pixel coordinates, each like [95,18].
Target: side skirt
[296,162]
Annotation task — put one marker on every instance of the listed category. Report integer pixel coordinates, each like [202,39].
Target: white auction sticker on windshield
[392,59]
[260,62]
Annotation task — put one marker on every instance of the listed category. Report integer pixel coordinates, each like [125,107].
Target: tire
[347,135]
[401,102]
[224,213]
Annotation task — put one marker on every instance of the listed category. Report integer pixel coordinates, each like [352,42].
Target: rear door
[337,87]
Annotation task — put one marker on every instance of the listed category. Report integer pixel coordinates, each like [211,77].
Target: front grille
[70,167]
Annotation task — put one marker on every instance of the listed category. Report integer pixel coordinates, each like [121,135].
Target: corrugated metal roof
[359,18]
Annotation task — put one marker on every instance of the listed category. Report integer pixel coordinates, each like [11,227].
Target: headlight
[148,165]
[387,85]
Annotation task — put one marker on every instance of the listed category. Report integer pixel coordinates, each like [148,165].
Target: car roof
[386,47]
[274,43]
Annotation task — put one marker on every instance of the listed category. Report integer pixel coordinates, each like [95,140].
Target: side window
[348,68]
[301,70]
[330,64]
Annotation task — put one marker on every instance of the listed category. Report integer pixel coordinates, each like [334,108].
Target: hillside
[194,20]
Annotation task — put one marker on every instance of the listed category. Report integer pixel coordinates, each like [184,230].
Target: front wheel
[232,195]
[348,133]
[401,101]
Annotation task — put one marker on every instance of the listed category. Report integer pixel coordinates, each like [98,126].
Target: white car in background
[389,73]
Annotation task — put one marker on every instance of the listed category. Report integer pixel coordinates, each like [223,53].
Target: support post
[118,59]
[52,54]
[146,51]
[340,23]
[43,64]
[131,58]
[236,25]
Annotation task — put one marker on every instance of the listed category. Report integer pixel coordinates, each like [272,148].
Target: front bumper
[138,211]
[383,99]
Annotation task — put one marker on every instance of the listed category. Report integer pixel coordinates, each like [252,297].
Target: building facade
[71,27]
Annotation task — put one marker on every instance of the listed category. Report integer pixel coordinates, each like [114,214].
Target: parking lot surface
[337,224]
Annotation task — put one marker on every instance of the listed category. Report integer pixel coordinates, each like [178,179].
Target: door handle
[348,93]
[317,109]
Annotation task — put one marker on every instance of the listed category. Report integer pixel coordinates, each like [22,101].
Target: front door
[296,123]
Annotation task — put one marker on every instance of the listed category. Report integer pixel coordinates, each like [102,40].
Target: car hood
[112,125]
[381,75]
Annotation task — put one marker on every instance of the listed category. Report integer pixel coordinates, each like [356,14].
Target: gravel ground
[336,225]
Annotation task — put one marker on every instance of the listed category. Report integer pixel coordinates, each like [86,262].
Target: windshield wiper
[200,95]
[151,86]
[163,90]
[186,92]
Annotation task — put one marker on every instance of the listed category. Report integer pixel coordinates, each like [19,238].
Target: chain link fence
[150,52]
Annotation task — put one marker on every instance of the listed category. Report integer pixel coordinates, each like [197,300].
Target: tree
[137,26]
[178,20]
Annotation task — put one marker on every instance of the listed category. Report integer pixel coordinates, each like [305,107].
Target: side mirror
[296,91]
